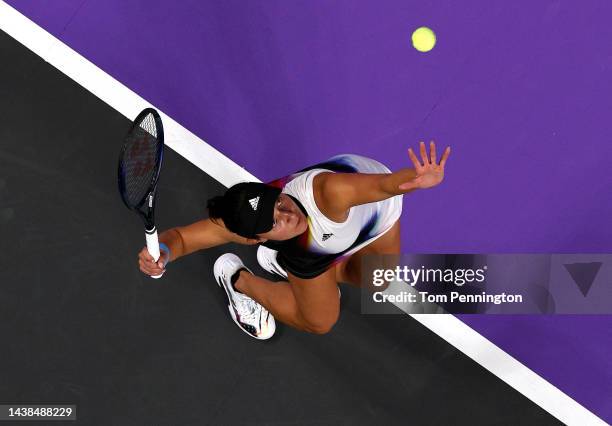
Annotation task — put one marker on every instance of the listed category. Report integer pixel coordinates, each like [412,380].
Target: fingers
[150,268]
[445,156]
[147,264]
[423,153]
[431,159]
[432,149]
[414,159]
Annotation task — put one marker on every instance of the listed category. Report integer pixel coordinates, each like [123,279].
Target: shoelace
[248,308]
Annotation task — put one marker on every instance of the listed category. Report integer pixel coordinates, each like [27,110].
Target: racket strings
[139,162]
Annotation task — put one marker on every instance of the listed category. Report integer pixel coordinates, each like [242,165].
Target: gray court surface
[79,323]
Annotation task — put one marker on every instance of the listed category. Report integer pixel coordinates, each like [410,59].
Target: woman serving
[312,227]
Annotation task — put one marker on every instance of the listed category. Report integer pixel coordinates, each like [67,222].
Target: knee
[320,328]
[322,325]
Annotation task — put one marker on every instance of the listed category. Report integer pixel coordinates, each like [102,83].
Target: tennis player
[312,228]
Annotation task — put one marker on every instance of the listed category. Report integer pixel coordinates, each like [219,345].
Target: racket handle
[153,246]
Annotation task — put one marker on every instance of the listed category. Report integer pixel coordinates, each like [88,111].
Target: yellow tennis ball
[423,39]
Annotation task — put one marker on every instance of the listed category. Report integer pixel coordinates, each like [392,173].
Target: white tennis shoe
[267,260]
[250,316]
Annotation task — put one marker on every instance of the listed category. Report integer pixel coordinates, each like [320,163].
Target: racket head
[140,162]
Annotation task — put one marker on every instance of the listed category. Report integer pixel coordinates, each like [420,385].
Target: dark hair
[216,207]
[227,209]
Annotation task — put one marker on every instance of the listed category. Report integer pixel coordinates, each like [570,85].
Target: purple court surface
[521,91]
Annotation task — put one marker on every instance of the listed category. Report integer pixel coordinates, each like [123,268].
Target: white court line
[221,168]
[118,96]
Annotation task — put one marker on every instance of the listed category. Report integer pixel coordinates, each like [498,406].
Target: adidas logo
[254,202]
[327,236]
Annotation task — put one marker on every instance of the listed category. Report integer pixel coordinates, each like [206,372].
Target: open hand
[429,173]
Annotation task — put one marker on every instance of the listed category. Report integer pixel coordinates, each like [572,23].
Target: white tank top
[373,219]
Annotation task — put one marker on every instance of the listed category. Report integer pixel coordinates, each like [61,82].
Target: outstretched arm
[184,240]
[345,190]
[200,235]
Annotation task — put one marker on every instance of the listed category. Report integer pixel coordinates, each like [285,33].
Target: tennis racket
[140,162]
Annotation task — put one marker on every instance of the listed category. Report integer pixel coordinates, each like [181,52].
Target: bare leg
[309,305]
[313,305]
[349,271]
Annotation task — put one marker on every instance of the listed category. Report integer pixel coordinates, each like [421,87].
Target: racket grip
[153,246]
